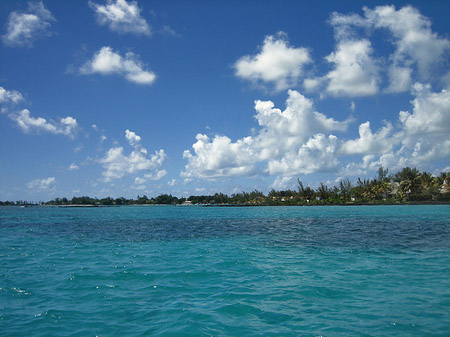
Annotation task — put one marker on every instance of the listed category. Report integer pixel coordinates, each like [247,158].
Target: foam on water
[192,271]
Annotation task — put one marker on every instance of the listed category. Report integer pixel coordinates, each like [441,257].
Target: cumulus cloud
[42,184]
[413,38]
[66,126]
[288,129]
[318,154]
[158,175]
[23,28]
[356,69]
[277,63]
[121,16]
[132,138]
[301,140]
[10,96]
[418,51]
[107,62]
[399,79]
[423,135]
[116,164]
[219,158]
[368,142]
[283,135]
[355,72]
[431,112]
[426,130]
[282,183]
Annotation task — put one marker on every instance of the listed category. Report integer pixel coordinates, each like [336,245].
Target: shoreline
[411,203]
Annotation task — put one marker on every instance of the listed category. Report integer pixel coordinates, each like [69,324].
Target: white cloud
[413,38]
[10,96]
[25,27]
[426,131]
[343,25]
[277,63]
[67,126]
[172,182]
[139,181]
[156,176]
[121,16]
[73,167]
[300,140]
[282,183]
[318,154]
[418,51]
[132,138]
[117,164]
[312,84]
[431,112]
[107,62]
[219,158]
[42,184]
[399,79]
[368,142]
[287,130]
[284,135]
[422,137]
[355,72]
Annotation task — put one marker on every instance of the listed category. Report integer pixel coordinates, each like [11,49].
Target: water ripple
[174,271]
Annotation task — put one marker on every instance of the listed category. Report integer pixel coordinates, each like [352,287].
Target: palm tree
[323,191]
[409,179]
[382,174]
[305,192]
[346,188]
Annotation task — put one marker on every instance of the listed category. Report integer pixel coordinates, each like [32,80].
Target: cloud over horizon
[285,141]
[334,91]
[300,140]
[116,164]
[42,184]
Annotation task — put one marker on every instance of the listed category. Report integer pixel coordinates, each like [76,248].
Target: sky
[125,98]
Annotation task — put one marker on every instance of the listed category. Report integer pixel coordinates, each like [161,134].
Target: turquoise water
[210,271]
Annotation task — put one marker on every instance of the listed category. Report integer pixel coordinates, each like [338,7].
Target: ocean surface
[225,271]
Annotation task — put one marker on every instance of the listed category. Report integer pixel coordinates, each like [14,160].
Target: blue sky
[125,98]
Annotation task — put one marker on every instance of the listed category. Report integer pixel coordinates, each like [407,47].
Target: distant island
[408,185]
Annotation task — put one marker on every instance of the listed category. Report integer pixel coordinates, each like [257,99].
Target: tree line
[406,185]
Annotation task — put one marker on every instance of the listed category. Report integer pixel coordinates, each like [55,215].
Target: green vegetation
[406,186]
